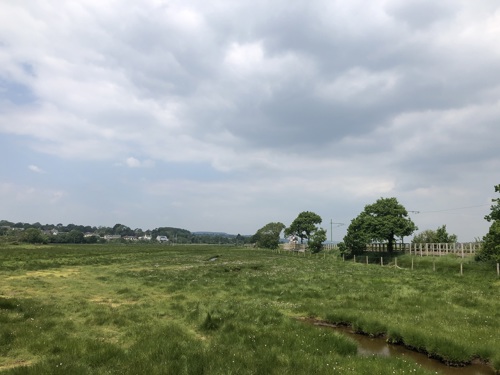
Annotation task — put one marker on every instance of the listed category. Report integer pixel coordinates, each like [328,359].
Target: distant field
[152,309]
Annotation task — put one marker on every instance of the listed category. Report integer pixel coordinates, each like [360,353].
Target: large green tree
[33,235]
[356,238]
[75,236]
[315,243]
[490,250]
[304,225]
[269,235]
[439,235]
[383,221]
[495,208]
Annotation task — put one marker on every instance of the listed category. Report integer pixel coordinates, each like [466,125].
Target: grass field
[149,309]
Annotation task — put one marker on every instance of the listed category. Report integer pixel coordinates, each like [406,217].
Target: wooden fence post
[367,259]
[461,269]
[498,269]
[354,258]
[381,261]
[412,263]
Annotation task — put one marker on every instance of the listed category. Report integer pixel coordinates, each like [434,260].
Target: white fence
[420,249]
[290,246]
[438,249]
[430,249]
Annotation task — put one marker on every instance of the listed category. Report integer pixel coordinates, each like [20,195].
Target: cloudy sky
[226,115]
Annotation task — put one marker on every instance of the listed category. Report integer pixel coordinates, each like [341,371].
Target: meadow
[153,309]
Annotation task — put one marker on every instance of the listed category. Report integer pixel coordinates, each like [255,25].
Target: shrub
[490,251]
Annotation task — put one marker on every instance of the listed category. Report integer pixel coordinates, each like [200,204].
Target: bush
[490,251]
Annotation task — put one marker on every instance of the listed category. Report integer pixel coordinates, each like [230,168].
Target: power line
[449,209]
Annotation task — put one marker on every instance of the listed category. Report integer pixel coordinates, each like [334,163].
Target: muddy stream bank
[369,346]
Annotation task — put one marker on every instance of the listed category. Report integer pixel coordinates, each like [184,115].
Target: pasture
[152,309]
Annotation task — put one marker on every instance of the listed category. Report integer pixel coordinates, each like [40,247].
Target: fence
[420,249]
[290,246]
[330,246]
[430,249]
[438,249]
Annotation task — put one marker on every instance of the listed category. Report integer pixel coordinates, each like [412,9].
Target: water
[368,346]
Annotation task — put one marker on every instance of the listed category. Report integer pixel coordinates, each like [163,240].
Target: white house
[109,237]
[162,239]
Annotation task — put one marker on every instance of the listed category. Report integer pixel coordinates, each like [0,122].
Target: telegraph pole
[331,230]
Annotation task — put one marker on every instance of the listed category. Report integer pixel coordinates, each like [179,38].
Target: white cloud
[132,162]
[35,169]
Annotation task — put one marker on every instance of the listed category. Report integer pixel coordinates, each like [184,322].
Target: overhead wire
[448,209]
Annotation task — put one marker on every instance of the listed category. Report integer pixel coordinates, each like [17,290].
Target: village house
[162,239]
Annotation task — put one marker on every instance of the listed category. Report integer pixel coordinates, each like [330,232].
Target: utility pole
[331,228]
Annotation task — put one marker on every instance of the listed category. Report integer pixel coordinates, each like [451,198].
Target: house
[109,237]
[53,232]
[162,239]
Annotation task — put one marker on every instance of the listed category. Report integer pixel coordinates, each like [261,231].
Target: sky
[227,115]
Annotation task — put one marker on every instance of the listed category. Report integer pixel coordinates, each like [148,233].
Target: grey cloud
[421,14]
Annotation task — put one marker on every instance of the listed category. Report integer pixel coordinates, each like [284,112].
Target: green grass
[130,309]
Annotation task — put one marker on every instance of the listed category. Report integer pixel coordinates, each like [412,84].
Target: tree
[435,236]
[356,238]
[490,250]
[495,209]
[33,235]
[381,221]
[269,235]
[75,236]
[304,225]
[315,243]
[122,230]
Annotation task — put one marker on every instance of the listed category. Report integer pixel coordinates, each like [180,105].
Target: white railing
[419,249]
[438,249]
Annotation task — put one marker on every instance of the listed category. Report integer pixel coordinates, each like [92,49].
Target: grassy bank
[211,310]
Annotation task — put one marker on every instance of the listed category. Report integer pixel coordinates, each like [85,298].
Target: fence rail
[438,249]
[419,249]
[430,249]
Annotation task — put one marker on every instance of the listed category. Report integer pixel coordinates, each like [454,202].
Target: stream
[368,346]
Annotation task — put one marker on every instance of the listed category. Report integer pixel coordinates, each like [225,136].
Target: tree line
[385,221]
[37,233]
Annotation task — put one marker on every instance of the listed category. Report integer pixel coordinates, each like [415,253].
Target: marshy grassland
[151,309]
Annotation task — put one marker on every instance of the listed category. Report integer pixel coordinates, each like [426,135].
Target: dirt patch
[15,363]
[111,302]
[69,272]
